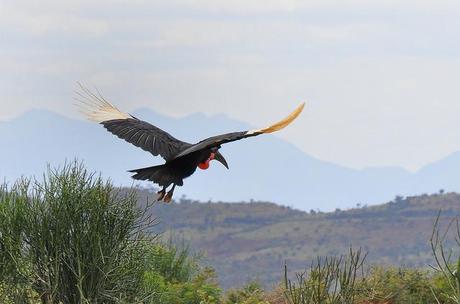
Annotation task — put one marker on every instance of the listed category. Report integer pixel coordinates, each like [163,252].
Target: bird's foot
[168,197]
[161,195]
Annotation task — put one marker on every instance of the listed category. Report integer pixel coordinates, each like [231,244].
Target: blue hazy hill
[262,168]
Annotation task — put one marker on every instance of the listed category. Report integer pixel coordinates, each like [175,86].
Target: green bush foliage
[71,238]
[173,276]
[251,293]
[397,285]
[447,260]
[329,280]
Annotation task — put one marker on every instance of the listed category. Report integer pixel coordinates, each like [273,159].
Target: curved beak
[220,158]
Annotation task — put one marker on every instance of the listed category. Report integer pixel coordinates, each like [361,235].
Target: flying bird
[181,158]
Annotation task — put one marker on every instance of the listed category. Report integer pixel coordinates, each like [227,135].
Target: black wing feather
[146,136]
[216,141]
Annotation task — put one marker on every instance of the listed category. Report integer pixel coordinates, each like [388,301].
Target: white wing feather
[96,108]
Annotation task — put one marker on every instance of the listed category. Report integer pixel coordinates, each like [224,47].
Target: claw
[167,198]
[161,195]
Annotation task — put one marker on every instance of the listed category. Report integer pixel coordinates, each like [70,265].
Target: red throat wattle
[205,165]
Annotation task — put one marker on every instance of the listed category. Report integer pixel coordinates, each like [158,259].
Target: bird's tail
[160,175]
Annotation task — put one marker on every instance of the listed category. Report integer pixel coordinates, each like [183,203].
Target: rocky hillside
[254,240]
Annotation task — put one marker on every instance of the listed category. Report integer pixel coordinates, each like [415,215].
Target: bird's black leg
[168,197]
[161,194]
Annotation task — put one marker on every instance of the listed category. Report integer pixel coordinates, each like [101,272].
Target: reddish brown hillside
[248,240]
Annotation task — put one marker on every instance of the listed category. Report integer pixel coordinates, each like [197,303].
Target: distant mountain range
[265,168]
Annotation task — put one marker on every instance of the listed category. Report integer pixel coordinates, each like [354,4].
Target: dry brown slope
[244,241]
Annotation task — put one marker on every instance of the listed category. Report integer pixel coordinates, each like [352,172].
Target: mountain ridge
[262,168]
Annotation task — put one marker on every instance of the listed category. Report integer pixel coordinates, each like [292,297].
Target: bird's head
[214,155]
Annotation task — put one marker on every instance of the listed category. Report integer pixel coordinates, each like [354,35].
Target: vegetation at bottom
[74,238]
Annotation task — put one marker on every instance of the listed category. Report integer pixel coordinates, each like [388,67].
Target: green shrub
[174,276]
[397,285]
[70,238]
[252,293]
[14,267]
[447,261]
[329,280]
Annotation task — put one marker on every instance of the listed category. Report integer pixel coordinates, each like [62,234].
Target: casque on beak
[220,158]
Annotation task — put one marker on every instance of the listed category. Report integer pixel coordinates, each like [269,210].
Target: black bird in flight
[182,158]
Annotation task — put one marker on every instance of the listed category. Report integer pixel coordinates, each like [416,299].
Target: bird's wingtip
[95,107]
[282,123]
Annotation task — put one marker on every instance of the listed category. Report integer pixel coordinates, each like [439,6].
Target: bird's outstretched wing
[218,140]
[127,127]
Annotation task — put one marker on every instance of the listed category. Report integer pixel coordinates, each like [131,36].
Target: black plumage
[181,158]
[146,136]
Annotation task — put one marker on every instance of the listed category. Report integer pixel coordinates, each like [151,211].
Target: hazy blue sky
[381,78]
